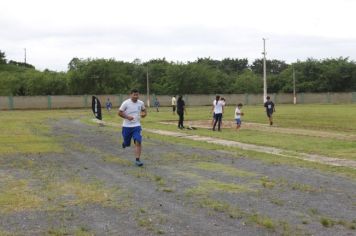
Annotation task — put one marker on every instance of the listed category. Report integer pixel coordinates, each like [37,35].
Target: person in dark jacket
[180,111]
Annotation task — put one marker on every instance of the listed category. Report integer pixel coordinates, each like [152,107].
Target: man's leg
[138,150]
[270,118]
[138,147]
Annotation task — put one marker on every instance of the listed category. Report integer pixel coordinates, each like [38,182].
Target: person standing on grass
[108,105]
[157,104]
[132,110]
[238,114]
[218,110]
[180,111]
[174,103]
[269,105]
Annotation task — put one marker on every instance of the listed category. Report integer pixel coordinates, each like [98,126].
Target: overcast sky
[55,31]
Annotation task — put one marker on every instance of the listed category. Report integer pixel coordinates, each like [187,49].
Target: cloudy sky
[55,31]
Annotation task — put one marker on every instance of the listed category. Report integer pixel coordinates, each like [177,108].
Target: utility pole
[148,89]
[25,55]
[294,90]
[264,71]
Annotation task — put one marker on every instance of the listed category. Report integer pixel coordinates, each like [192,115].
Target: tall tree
[2,57]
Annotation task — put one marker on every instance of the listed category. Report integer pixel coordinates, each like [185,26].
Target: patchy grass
[209,186]
[17,195]
[6,233]
[83,148]
[277,202]
[303,187]
[264,221]
[144,173]
[82,231]
[267,183]
[150,220]
[76,192]
[117,160]
[222,168]
[327,222]
[264,157]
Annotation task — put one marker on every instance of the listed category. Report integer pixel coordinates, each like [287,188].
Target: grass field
[318,125]
[59,171]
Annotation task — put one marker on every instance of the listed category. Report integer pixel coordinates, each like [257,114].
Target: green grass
[28,131]
[314,119]
[342,121]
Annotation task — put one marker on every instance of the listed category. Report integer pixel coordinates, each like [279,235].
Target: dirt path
[181,190]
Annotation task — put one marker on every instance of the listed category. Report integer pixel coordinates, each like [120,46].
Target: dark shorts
[238,121]
[269,113]
[129,133]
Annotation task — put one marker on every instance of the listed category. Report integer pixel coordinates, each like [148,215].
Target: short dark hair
[134,91]
[239,105]
[268,97]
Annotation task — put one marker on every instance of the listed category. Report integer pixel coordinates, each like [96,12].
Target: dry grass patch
[117,160]
[222,168]
[77,192]
[209,186]
[16,196]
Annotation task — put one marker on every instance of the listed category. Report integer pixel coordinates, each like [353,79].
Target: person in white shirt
[238,114]
[174,104]
[218,110]
[132,110]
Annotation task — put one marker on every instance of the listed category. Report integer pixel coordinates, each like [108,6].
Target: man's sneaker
[139,163]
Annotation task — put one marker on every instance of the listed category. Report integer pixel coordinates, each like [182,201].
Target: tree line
[202,76]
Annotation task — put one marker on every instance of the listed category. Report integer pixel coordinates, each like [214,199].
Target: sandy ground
[181,190]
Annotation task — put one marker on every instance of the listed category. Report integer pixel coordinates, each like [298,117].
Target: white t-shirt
[132,109]
[237,113]
[218,106]
[174,101]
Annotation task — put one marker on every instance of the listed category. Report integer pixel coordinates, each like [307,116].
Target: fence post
[275,97]
[11,102]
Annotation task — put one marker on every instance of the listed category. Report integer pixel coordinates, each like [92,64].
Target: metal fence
[84,101]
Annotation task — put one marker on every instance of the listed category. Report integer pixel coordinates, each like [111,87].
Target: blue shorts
[238,121]
[129,133]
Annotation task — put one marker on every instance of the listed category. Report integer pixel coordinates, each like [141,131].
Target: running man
[238,114]
[269,105]
[132,110]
